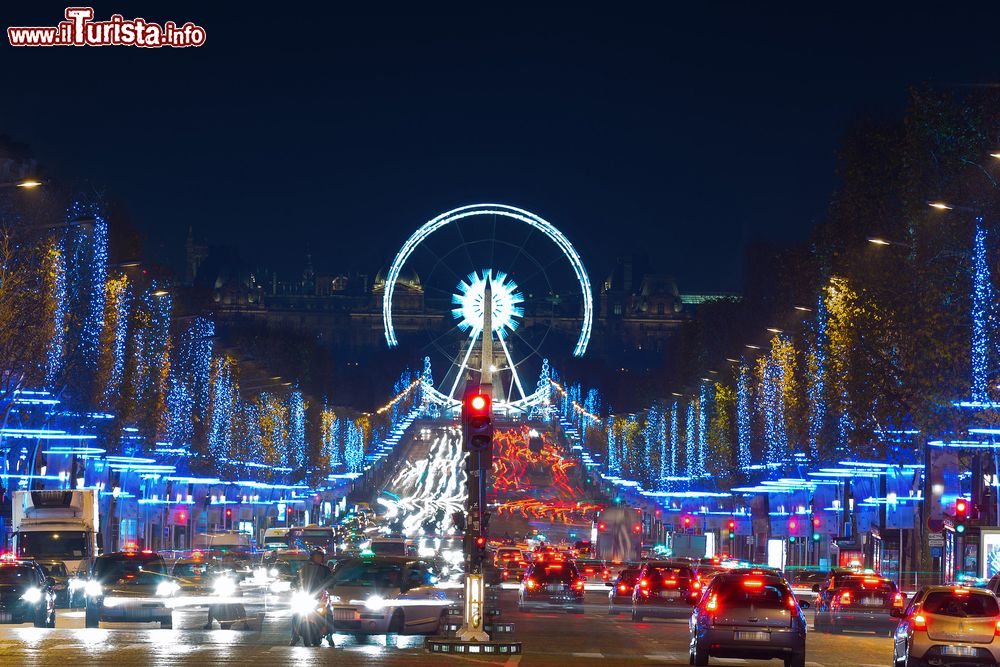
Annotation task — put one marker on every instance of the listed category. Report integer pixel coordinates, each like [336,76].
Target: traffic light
[478,551]
[793,526]
[816,524]
[732,528]
[687,522]
[961,514]
[477,415]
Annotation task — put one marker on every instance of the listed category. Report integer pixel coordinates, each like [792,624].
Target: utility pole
[477,439]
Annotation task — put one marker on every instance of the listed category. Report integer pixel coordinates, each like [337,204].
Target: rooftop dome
[408,279]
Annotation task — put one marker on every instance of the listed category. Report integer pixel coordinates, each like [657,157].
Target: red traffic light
[480,541]
[229,513]
[732,524]
[479,403]
[687,522]
[961,506]
[601,527]
[816,521]
[792,524]
[637,528]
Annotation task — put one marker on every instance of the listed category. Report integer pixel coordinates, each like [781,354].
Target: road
[548,639]
[427,487]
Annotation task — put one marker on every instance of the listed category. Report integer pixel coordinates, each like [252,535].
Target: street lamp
[26,183]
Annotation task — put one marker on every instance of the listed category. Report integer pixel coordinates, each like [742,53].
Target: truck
[617,534]
[56,524]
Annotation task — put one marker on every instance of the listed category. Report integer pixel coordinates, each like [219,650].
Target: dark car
[130,585]
[824,590]
[26,594]
[860,602]
[218,582]
[748,616]
[665,589]
[552,584]
[620,595]
[56,571]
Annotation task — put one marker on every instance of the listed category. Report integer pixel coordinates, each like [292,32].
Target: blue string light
[296,430]
[816,382]
[674,438]
[743,456]
[982,304]
[56,278]
[354,447]
[702,445]
[690,455]
[223,405]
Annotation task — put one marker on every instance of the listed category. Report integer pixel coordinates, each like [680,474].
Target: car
[860,602]
[665,589]
[620,595]
[948,625]
[57,572]
[380,594]
[824,591]
[552,584]
[593,569]
[805,584]
[216,581]
[130,585]
[392,546]
[748,616]
[583,548]
[26,594]
[280,568]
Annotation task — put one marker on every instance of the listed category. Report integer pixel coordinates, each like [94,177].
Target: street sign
[935,539]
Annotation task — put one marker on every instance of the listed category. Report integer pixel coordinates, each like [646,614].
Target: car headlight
[273,572]
[303,603]
[93,589]
[375,603]
[167,588]
[75,584]
[224,587]
[32,595]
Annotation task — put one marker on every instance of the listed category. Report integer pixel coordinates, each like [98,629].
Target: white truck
[58,525]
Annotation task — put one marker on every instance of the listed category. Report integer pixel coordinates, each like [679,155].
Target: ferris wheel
[541,300]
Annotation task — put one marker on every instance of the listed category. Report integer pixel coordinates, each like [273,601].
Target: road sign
[935,539]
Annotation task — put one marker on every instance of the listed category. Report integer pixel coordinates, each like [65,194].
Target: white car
[380,594]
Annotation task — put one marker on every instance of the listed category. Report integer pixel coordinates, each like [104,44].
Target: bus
[617,534]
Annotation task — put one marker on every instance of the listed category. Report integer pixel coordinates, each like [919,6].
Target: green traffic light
[816,537]
[960,528]
[791,538]
[732,534]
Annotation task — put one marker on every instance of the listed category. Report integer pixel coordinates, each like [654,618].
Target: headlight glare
[224,587]
[303,603]
[32,595]
[93,589]
[167,588]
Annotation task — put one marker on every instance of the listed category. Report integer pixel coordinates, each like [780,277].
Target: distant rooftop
[704,297]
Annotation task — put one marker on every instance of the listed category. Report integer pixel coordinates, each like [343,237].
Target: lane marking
[669,657]
[587,655]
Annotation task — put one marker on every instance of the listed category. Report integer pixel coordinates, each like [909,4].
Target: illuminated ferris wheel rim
[513,213]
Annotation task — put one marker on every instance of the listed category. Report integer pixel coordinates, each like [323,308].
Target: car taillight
[697,585]
[845,597]
[996,633]
[919,622]
[898,600]
[792,604]
[623,588]
[670,582]
[644,583]
[712,604]
[578,585]
[529,583]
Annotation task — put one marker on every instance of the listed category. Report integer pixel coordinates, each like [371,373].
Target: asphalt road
[594,638]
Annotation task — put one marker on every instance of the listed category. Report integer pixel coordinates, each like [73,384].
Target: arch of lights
[542,395]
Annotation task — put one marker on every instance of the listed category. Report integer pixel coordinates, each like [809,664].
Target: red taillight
[845,597]
[697,584]
[996,633]
[898,600]
[712,604]
[753,583]
[792,604]
[529,583]
[623,588]
[919,622]
[578,585]
[644,583]
[670,582]
[872,580]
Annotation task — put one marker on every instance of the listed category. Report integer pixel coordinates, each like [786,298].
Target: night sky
[679,129]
